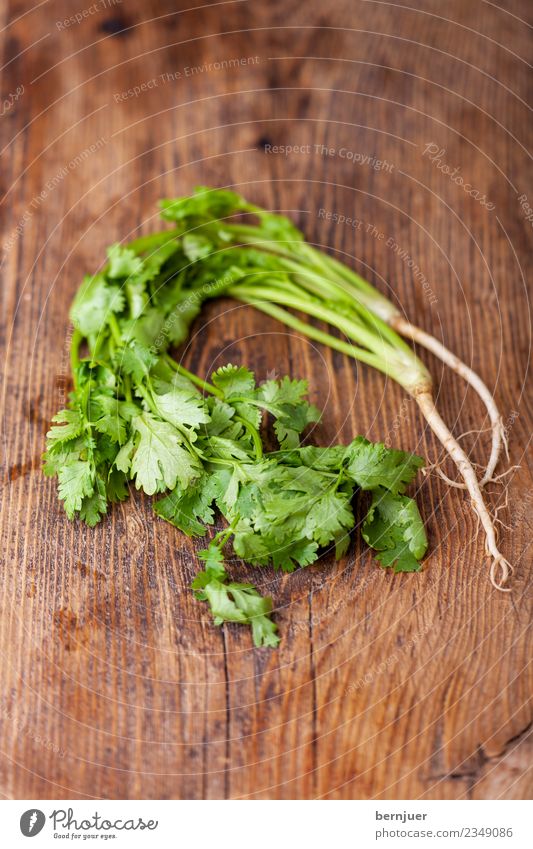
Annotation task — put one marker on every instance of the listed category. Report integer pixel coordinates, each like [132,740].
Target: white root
[426,403]
[458,485]
[499,435]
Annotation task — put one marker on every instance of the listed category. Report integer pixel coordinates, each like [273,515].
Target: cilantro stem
[322,311]
[342,291]
[127,387]
[115,329]
[256,439]
[202,384]
[223,536]
[402,365]
[306,329]
[148,398]
[75,343]
[301,253]
[365,291]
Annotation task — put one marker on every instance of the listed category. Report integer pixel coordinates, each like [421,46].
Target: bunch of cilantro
[136,416]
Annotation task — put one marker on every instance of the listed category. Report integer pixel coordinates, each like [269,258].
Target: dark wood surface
[114,684]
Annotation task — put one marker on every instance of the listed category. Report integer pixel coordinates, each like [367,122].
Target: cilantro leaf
[233,380]
[257,610]
[159,461]
[72,427]
[111,421]
[196,246]
[116,488]
[75,483]
[372,465]
[136,359]
[182,407]
[122,262]
[253,547]
[214,560]
[123,459]
[94,303]
[220,417]
[146,329]
[300,552]
[394,528]
[212,204]
[292,421]
[94,506]
[137,296]
[191,509]
[234,602]
[287,400]
[329,459]
[329,516]
[286,391]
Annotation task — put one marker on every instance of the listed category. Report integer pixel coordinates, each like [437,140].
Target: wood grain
[114,684]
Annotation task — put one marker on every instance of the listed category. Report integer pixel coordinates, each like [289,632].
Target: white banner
[268,824]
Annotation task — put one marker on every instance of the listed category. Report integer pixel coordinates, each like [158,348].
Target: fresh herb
[138,416]
[276,270]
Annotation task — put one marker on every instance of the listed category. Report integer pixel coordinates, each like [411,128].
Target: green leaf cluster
[138,417]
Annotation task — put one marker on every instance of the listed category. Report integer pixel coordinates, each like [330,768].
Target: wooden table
[114,683]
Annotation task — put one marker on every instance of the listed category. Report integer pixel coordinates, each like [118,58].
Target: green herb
[138,416]
[276,270]
[232,602]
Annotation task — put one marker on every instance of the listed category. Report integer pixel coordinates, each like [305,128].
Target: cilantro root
[499,437]
[498,562]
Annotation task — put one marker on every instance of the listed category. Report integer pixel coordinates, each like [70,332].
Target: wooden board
[114,684]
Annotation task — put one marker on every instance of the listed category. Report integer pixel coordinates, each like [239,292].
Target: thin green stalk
[336,278]
[392,360]
[115,329]
[223,536]
[363,290]
[308,330]
[202,384]
[303,253]
[318,283]
[269,278]
[256,439]
[127,387]
[341,291]
[254,237]
[75,343]
[148,398]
